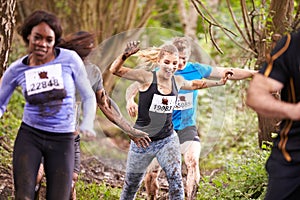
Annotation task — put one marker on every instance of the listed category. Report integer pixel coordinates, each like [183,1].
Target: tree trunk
[281,14]
[7,23]
[266,128]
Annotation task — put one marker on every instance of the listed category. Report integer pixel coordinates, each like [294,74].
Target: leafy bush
[9,125]
[93,191]
[243,177]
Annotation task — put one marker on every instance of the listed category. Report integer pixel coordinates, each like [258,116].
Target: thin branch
[147,10]
[215,23]
[213,40]
[246,18]
[225,30]
[163,12]
[237,24]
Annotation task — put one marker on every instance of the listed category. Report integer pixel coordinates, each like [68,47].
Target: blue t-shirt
[184,114]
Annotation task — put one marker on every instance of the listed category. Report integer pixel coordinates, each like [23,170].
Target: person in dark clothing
[281,73]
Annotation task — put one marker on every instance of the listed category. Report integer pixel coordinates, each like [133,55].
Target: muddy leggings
[167,152]
[58,151]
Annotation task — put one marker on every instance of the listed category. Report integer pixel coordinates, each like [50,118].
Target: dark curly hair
[35,19]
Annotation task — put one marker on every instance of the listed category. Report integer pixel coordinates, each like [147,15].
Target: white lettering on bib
[162,104]
[44,79]
[184,101]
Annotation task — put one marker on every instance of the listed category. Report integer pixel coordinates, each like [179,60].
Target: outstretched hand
[131,48]
[227,75]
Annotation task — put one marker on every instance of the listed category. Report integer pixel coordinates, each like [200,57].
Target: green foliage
[9,125]
[11,119]
[166,16]
[242,177]
[93,191]
[232,165]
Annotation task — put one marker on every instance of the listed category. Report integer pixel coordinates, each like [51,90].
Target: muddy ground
[94,170]
[102,160]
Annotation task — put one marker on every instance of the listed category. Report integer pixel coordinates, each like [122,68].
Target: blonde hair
[149,57]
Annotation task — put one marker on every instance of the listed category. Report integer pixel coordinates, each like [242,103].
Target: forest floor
[95,168]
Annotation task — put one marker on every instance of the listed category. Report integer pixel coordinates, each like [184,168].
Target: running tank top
[155,111]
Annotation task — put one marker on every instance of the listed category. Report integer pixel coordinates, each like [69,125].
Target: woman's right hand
[131,48]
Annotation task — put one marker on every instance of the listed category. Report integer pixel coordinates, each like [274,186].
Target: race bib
[162,104]
[184,101]
[44,79]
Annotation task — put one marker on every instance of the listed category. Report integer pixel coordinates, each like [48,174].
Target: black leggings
[58,151]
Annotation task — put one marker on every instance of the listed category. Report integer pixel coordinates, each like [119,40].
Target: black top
[155,111]
[283,66]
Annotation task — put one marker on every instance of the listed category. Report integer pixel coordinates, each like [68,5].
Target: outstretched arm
[117,67]
[131,106]
[261,100]
[237,74]
[203,83]
[112,112]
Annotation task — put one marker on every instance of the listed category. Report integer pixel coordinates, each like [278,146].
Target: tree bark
[281,15]
[7,23]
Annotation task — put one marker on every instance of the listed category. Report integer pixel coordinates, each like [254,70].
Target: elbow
[113,67]
[113,70]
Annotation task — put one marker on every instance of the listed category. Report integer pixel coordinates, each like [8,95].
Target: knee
[191,163]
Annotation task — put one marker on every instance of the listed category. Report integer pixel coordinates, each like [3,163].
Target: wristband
[124,57]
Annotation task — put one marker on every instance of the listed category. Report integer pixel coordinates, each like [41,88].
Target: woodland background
[229,33]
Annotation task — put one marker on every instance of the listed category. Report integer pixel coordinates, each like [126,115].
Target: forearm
[116,65]
[111,110]
[239,74]
[200,84]
[268,105]
[261,100]
[89,112]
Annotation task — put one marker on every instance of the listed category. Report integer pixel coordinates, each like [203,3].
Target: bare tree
[259,35]
[7,23]
[103,17]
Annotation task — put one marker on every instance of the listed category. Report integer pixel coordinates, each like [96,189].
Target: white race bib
[162,104]
[184,101]
[44,79]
